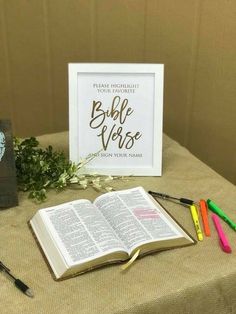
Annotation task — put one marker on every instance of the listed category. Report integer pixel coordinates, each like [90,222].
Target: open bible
[80,235]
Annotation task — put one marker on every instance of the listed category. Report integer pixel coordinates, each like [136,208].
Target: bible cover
[8,185]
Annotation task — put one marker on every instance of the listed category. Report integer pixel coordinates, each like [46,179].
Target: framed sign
[115,115]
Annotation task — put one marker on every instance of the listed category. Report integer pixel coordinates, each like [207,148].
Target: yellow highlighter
[196,222]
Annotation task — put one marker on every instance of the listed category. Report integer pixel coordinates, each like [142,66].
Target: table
[195,279]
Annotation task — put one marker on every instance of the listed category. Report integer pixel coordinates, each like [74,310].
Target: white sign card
[115,114]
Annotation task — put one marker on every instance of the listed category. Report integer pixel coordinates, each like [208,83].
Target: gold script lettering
[98,115]
[126,140]
[119,111]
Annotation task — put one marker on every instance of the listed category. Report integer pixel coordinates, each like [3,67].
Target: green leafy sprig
[39,170]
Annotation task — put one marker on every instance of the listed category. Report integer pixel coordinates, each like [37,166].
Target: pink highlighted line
[145,213]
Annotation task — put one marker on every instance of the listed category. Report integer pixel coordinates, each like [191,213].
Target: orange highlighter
[203,209]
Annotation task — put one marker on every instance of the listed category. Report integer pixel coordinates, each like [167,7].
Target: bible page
[80,231]
[135,218]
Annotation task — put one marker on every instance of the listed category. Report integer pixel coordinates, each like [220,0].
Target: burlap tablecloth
[196,279]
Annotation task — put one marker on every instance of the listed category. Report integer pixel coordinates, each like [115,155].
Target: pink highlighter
[223,240]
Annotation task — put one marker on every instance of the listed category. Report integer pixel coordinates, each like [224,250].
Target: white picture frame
[116,115]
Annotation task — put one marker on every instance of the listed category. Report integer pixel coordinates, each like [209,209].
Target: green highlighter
[215,209]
